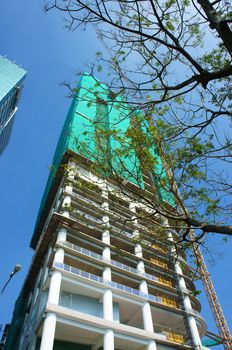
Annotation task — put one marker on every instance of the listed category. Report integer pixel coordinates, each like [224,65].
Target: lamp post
[17,268]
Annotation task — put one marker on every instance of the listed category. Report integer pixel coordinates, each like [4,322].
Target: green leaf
[170,26]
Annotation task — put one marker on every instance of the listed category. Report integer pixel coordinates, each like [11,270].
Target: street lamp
[17,268]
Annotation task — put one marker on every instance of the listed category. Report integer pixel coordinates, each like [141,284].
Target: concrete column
[143,287]
[188,307]
[105,204]
[108,305]
[146,309]
[140,268]
[151,345]
[182,286]
[107,296]
[136,234]
[66,203]
[71,172]
[105,191]
[105,220]
[186,301]
[106,274]
[54,290]
[181,282]
[106,236]
[138,250]
[106,232]
[68,188]
[106,254]
[147,317]
[132,208]
[70,176]
[62,235]
[194,332]
[108,343]
[59,255]
[48,333]
[55,283]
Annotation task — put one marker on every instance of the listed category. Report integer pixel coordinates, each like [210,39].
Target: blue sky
[51,55]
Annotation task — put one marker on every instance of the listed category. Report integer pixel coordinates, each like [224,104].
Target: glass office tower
[11,82]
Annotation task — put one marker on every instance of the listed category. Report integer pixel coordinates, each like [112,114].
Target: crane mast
[211,294]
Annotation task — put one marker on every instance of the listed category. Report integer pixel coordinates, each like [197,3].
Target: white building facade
[97,287]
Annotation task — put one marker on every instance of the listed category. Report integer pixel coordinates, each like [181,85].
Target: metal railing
[112,284]
[115,263]
[172,335]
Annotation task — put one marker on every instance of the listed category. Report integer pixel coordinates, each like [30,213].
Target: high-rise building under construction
[98,278]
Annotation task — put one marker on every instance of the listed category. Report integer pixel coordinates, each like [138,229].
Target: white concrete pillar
[136,234]
[54,289]
[71,171]
[143,287]
[106,254]
[70,176]
[107,296]
[132,208]
[138,251]
[68,188]
[62,235]
[181,282]
[67,200]
[59,255]
[106,274]
[186,301]
[140,268]
[194,332]
[108,342]
[106,236]
[151,345]
[146,309]
[147,317]
[105,191]
[182,286]
[108,305]
[105,204]
[48,333]
[177,267]
[56,278]
[66,204]
[105,220]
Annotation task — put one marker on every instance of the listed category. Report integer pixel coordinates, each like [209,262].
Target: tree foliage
[172,60]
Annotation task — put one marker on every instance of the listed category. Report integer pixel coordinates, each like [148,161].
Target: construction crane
[219,317]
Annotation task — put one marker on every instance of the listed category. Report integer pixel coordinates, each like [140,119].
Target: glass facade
[11,80]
